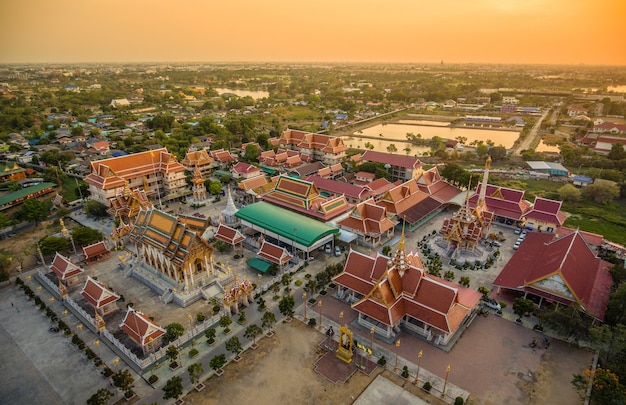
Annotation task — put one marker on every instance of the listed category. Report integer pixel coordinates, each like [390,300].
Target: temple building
[370,223]
[95,252]
[241,293]
[325,148]
[198,159]
[394,293]
[141,330]
[126,204]
[156,171]
[303,197]
[170,247]
[66,271]
[103,300]
[558,269]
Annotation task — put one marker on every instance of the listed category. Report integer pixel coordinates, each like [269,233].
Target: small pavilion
[103,300]
[66,271]
[229,235]
[95,252]
[274,254]
[142,330]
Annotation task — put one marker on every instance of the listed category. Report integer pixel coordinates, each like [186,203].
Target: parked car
[520,239]
[496,244]
[518,231]
[493,304]
[337,251]
[523,234]
[327,249]
[516,245]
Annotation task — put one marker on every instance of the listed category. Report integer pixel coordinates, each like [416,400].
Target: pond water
[245,93]
[617,89]
[396,133]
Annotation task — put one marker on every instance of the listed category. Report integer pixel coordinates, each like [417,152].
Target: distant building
[400,167]
[325,148]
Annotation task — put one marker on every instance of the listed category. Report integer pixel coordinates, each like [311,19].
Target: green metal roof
[25,192]
[282,222]
[259,264]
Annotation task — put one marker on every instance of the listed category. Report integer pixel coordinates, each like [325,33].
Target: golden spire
[401,244]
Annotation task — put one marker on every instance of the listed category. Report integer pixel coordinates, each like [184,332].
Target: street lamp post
[372,330]
[419,359]
[97,344]
[319,305]
[117,363]
[340,317]
[304,301]
[395,367]
[443,393]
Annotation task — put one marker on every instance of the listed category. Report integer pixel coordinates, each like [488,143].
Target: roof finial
[401,244]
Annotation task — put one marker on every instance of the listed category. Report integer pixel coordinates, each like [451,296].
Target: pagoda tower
[199,189]
[469,225]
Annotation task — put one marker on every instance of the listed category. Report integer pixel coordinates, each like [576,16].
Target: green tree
[464,281]
[195,371]
[52,244]
[392,148]
[251,153]
[286,304]
[95,209]
[210,335]
[522,306]
[225,322]
[173,388]
[214,187]
[617,152]
[234,346]
[173,331]
[54,174]
[600,191]
[386,251]
[124,380]
[84,235]
[449,275]
[34,210]
[497,153]
[172,354]
[269,319]
[568,192]
[101,397]
[252,331]
[217,362]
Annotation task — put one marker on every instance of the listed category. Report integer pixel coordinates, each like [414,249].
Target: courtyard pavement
[493,352]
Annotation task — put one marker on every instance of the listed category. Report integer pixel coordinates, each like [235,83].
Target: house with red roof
[354,194]
[400,167]
[244,170]
[229,235]
[325,148]
[65,270]
[303,197]
[435,186]
[393,293]
[95,252]
[545,215]
[609,128]
[99,297]
[364,177]
[604,143]
[410,204]
[562,270]
[369,222]
[274,254]
[223,157]
[157,171]
[505,203]
[141,330]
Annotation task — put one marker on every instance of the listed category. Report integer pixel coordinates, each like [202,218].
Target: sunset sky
[455,31]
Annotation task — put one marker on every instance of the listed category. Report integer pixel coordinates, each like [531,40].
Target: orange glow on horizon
[392,31]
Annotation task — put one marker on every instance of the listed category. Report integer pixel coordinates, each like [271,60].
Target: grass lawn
[70,192]
[608,220]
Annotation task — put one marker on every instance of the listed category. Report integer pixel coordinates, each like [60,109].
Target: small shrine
[199,189]
[228,215]
[344,349]
[102,299]
[240,293]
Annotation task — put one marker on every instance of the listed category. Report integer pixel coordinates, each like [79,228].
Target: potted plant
[172,354]
[153,379]
[200,317]
[405,372]
[173,388]
[210,336]
[225,322]
[252,332]
[427,386]
[195,371]
[124,380]
[242,317]
[233,345]
[217,363]
[193,352]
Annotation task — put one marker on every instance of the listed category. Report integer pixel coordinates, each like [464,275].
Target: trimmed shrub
[427,386]
[458,401]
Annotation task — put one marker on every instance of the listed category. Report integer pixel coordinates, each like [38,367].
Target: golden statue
[344,349]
